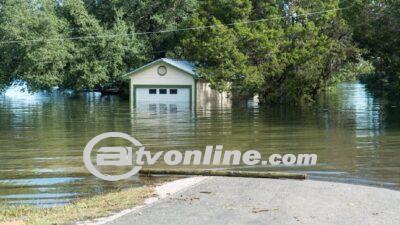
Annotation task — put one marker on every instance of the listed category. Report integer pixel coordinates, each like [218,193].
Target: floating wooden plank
[225,173]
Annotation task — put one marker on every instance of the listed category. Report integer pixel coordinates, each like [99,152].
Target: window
[152,91]
[163,91]
[173,91]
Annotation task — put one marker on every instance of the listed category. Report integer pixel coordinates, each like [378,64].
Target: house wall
[149,76]
[203,95]
[207,97]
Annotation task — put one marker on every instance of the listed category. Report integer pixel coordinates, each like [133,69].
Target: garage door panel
[172,94]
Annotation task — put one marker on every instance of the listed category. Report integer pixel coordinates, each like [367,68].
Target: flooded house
[172,81]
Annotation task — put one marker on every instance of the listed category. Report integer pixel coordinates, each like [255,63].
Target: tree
[270,48]
[40,63]
[59,44]
[147,16]
[103,55]
[376,27]
[286,57]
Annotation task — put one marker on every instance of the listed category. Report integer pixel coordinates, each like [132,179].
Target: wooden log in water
[198,172]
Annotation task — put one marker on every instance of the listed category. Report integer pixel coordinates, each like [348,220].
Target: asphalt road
[222,200]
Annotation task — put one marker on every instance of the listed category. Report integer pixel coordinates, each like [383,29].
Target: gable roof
[182,65]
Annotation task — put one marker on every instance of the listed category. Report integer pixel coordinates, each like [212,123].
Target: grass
[82,209]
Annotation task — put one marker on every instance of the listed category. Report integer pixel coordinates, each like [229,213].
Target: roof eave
[129,74]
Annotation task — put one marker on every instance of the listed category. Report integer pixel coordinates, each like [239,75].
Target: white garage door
[160,95]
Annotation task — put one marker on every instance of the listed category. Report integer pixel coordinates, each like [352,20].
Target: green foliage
[39,63]
[60,57]
[59,61]
[89,44]
[376,27]
[3,80]
[356,70]
[283,60]
[227,11]
[98,62]
[147,16]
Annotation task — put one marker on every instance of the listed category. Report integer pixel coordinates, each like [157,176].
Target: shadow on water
[42,136]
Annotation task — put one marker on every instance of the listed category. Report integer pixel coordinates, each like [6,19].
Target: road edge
[161,191]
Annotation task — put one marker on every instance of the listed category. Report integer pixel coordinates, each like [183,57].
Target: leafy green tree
[103,54]
[38,62]
[147,16]
[286,57]
[59,44]
[249,47]
[3,81]
[226,11]
[376,27]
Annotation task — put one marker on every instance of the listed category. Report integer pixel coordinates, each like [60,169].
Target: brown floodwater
[42,136]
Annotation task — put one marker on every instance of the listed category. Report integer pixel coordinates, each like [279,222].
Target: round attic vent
[162,70]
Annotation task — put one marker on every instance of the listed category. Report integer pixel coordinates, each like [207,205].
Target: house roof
[182,65]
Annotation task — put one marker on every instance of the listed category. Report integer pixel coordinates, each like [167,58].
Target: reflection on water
[356,137]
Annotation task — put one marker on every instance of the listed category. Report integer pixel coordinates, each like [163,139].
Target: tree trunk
[198,172]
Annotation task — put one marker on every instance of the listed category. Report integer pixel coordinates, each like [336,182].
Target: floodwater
[42,136]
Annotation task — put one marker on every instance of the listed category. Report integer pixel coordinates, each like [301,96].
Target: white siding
[204,96]
[207,97]
[149,76]
[173,77]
